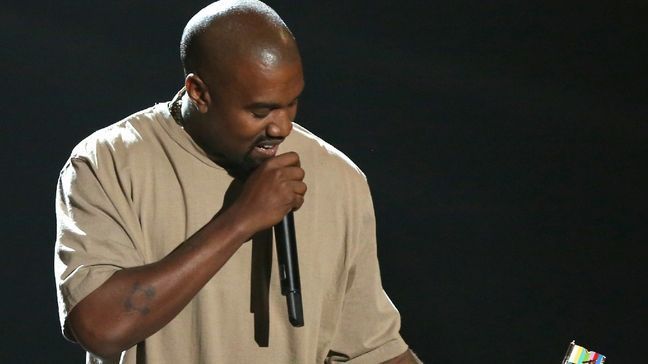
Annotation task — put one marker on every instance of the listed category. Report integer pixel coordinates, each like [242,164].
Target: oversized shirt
[132,192]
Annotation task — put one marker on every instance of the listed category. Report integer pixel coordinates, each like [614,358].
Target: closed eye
[261,113]
[261,110]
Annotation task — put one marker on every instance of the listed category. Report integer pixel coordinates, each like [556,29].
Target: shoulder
[322,156]
[118,139]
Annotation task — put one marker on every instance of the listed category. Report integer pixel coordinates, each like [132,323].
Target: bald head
[234,32]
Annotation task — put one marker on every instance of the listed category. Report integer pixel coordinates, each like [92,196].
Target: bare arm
[407,357]
[136,302]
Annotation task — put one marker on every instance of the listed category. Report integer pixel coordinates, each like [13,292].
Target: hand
[271,191]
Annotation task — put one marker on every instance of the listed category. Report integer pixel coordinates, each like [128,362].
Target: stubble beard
[242,169]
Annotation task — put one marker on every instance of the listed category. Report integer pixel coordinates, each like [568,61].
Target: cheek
[292,113]
[244,127]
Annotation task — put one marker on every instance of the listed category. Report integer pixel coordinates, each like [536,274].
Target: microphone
[289,268]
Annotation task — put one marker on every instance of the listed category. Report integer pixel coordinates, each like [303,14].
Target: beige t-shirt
[134,191]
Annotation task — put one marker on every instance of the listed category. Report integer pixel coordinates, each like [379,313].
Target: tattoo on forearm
[139,299]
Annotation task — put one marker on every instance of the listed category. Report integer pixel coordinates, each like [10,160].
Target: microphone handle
[289,268]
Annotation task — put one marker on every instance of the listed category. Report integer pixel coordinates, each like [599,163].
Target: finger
[298,201]
[293,173]
[286,159]
[299,188]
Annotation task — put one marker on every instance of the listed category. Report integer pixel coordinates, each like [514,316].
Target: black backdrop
[505,143]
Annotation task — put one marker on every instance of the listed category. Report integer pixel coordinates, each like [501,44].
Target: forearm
[136,302]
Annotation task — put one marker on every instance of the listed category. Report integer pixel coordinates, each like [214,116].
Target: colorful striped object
[579,355]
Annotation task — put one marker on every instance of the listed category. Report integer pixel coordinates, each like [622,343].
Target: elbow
[97,335]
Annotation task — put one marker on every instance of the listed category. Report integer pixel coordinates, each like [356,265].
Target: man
[164,244]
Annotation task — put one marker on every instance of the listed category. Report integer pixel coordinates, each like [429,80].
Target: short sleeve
[368,331]
[96,231]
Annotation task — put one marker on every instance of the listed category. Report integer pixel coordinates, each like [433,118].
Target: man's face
[250,113]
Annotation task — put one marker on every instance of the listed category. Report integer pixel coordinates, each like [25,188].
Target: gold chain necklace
[175,107]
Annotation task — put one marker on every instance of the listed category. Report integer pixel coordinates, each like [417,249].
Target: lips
[267,148]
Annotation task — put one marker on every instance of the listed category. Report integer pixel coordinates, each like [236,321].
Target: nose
[280,125]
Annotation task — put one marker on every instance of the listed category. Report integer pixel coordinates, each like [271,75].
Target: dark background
[505,143]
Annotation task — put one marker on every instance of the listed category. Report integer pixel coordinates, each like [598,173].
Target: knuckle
[277,174]
[294,157]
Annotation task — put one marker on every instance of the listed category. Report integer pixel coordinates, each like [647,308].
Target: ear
[198,92]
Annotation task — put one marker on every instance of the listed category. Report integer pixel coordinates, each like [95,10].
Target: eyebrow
[263,105]
[268,105]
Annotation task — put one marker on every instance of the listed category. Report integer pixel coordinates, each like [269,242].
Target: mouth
[267,148]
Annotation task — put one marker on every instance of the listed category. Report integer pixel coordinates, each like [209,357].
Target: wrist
[237,223]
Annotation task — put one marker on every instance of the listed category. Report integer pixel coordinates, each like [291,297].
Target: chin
[242,169]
